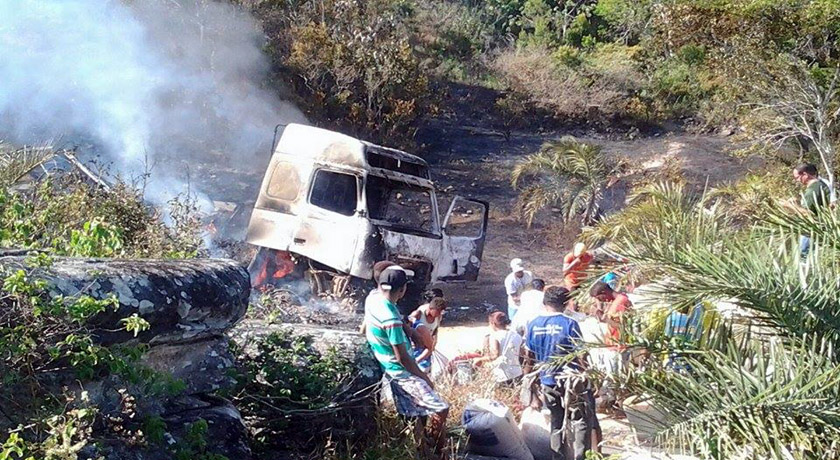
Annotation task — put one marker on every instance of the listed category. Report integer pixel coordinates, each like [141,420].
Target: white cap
[517,265]
[408,273]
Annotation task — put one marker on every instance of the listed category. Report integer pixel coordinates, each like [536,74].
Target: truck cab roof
[329,147]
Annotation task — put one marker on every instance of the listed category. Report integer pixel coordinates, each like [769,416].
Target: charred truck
[330,206]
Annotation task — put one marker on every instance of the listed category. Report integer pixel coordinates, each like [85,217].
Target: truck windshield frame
[402,207]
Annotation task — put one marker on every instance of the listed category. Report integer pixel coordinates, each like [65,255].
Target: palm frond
[823,228]
[765,277]
[577,170]
[772,400]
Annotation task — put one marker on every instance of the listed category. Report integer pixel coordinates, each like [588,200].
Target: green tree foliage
[354,60]
[768,386]
[68,215]
[570,174]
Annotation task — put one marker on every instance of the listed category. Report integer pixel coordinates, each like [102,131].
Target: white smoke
[169,83]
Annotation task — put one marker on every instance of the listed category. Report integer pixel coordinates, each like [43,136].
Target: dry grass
[394,439]
[599,88]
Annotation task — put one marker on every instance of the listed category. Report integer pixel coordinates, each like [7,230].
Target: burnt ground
[475,160]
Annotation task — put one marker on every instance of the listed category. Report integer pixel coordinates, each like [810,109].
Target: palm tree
[770,393]
[567,173]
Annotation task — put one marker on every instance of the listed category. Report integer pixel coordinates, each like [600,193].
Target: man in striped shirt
[414,394]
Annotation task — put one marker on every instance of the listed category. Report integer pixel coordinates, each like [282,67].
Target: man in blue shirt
[549,338]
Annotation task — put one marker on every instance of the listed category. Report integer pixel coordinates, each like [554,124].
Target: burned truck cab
[330,206]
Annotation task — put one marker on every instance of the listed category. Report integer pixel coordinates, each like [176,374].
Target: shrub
[70,216]
[456,36]
[572,84]
[354,60]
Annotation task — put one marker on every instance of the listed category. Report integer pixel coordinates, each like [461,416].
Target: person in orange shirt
[619,305]
[574,266]
[615,355]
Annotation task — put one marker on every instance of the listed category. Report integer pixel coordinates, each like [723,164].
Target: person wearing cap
[551,336]
[574,266]
[517,282]
[414,394]
[373,295]
[502,350]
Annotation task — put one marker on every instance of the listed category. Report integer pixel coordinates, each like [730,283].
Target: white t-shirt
[373,296]
[516,286]
[506,366]
[431,325]
[531,306]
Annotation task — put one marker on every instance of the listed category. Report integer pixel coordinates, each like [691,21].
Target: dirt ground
[477,163]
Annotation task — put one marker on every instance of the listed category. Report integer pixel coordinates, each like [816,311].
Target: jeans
[582,423]
[804,245]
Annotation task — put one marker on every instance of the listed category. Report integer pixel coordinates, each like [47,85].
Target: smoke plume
[176,85]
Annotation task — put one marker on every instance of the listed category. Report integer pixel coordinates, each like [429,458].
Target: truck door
[464,230]
[329,229]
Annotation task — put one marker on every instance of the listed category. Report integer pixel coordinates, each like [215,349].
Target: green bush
[626,19]
[69,216]
[354,62]
[595,85]
[679,85]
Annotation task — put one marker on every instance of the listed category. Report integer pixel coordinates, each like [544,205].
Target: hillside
[134,137]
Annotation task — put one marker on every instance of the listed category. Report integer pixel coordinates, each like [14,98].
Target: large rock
[190,305]
[183,300]
[347,343]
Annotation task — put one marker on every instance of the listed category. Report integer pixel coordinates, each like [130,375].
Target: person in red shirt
[619,305]
[574,266]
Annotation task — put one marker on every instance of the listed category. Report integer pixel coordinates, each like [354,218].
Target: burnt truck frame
[335,205]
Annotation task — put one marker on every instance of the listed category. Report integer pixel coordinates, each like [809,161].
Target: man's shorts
[413,397]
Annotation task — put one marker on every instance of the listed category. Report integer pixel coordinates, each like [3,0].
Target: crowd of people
[539,328]
[538,337]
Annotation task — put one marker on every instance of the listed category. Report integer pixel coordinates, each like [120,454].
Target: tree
[767,388]
[802,103]
[568,173]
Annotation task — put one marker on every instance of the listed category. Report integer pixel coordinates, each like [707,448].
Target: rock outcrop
[189,305]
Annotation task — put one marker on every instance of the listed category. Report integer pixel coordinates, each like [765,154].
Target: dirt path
[477,163]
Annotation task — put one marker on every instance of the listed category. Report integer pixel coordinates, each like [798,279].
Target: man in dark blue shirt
[549,338]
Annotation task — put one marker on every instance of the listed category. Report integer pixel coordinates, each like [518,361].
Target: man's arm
[426,341]
[530,361]
[570,265]
[407,361]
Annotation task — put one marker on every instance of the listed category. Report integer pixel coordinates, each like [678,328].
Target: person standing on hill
[413,390]
[814,198]
[574,266]
[517,282]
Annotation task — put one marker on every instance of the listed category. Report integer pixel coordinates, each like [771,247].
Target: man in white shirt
[531,306]
[517,282]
